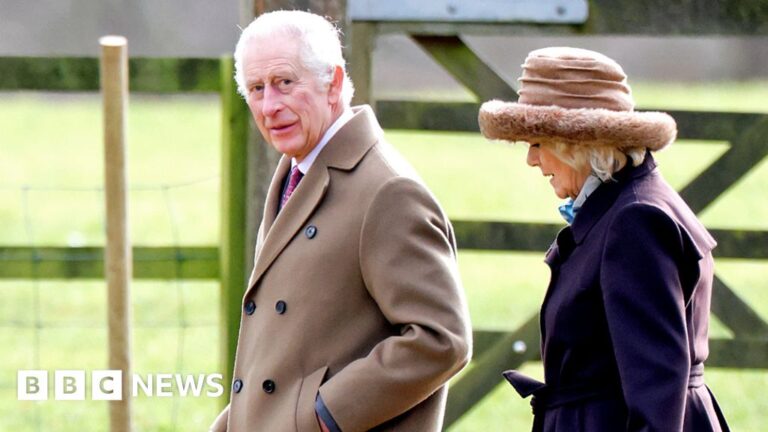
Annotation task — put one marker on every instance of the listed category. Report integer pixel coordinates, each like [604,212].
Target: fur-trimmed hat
[579,97]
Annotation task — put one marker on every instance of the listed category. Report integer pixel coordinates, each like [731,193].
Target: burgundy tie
[293,182]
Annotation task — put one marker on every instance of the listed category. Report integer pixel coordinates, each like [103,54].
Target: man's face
[291,107]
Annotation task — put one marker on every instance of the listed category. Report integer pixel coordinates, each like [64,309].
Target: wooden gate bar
[156,75]
[735,313]
[202,262]
[747,244]
[738,353]
[520,236]
[440,116]
[463,64]
[536,237]
[158,262]
[748,147]
[509,352]
[486,11]
[482,340]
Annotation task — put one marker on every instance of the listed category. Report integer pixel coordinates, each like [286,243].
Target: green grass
[50,142]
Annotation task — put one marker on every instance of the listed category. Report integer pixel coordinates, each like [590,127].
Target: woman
[625,318]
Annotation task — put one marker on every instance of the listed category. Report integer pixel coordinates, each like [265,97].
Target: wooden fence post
[232,256]
[118,262]
[360,51]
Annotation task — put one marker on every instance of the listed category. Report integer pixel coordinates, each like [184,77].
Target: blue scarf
[567,211]
[570,208]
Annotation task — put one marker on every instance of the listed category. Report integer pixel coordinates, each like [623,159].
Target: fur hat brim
[599,127]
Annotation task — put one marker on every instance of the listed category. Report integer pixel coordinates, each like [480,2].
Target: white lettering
[145,386]
[32,385]
[164,381]
[69,385]
[184,384]
[107,385]
[215,381]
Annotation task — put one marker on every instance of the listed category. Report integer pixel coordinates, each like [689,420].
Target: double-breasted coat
[625,319]
[355,295]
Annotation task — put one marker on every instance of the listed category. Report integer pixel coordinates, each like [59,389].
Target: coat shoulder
[384,169]
[651,194]
[384,162]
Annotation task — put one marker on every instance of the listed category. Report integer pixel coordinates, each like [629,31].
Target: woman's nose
[533,156]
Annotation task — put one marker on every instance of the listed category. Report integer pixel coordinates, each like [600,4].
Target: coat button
[280,307]
[268,386]
[237,385]
[250,307]
[311,231]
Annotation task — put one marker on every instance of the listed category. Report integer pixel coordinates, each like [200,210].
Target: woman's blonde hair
[603,161]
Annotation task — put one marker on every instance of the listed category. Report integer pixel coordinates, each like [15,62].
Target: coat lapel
[344,151]
[605,195]
[270,212]
[297,210]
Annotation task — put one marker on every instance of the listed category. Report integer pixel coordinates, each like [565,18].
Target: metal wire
[181,324]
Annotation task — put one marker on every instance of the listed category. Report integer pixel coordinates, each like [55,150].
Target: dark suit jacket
[625,318]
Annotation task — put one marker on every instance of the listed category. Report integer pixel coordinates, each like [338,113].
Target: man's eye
[255,87]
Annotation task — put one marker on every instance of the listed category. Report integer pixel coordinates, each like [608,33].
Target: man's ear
[334,89]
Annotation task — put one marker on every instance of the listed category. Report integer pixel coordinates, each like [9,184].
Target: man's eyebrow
[253,81]
[272,74]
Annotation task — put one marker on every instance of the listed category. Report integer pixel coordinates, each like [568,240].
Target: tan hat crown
[574,78]
[578,97]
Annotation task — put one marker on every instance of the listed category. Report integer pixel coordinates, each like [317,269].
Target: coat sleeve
[408,263]
[645,310]
[220,424]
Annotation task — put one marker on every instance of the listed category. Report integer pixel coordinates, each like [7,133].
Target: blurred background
[704,61]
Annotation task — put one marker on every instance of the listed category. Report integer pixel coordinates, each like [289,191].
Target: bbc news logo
[32,385]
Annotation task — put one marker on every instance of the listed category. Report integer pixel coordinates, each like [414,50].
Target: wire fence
[38,309]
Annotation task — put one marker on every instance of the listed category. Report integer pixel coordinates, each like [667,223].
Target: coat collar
[605,195]
[352,141]
[344,151]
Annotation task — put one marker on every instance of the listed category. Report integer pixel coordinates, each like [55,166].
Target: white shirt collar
[590,185]
[305,164]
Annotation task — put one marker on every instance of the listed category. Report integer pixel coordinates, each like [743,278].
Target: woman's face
[566,180]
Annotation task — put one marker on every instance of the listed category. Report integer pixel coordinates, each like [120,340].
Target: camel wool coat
[355,295]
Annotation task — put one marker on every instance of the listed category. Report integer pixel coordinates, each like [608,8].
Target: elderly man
[354,317]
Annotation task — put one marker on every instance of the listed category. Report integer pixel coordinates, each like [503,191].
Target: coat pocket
[306,419]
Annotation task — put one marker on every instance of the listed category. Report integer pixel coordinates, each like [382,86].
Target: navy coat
[624,322]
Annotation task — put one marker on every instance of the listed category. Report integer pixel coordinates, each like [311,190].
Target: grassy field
[51,169]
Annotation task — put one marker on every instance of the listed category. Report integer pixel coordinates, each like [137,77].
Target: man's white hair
[320,50]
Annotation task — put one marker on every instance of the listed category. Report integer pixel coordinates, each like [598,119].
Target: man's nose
[533,156]
[271,102]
